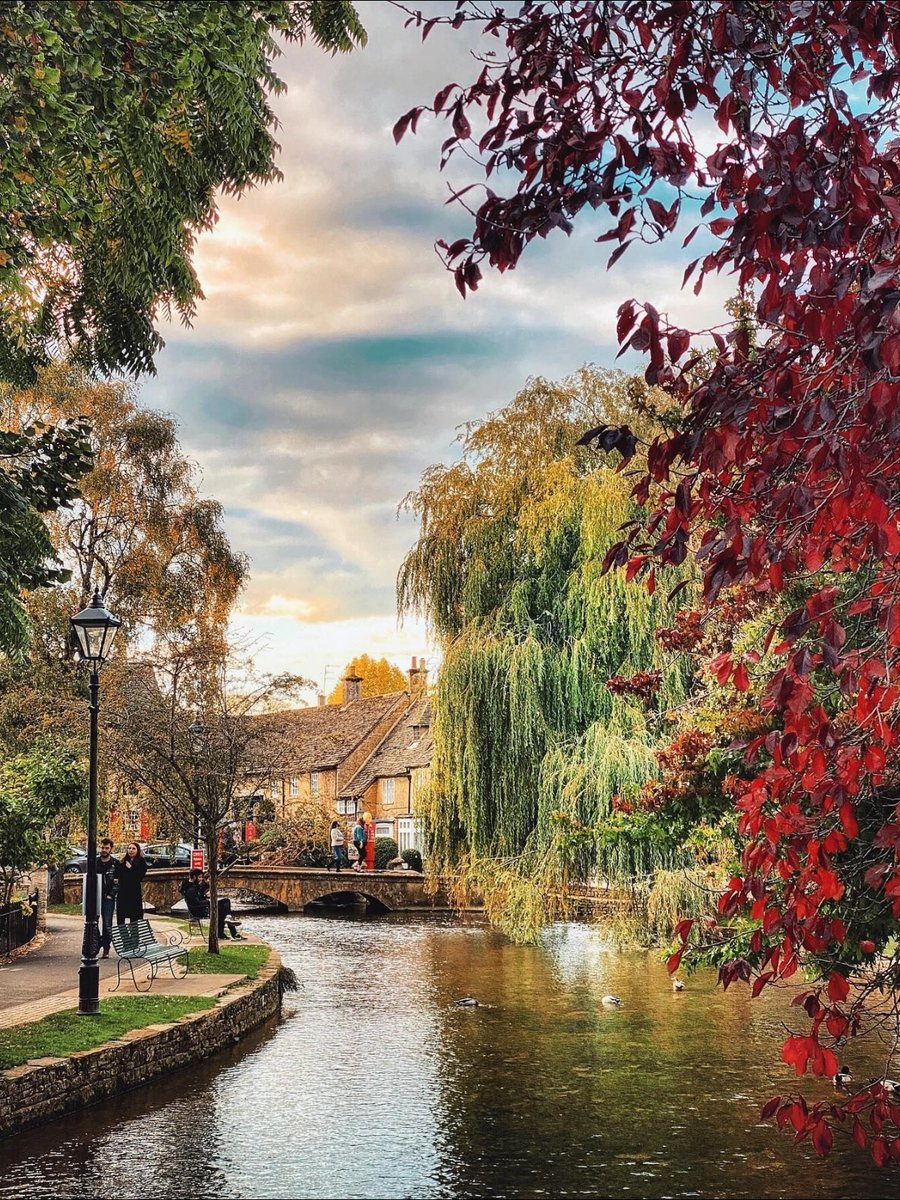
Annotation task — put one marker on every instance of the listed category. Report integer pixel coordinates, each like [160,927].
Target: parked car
[169,854]
[76,862]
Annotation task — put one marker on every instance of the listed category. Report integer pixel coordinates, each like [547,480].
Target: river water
[372,1085]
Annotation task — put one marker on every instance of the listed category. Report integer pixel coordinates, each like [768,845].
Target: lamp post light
[95,630]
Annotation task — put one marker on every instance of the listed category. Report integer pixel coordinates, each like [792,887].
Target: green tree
[378,675]
[536,758]
[123,122]
[36,787]
[39,470]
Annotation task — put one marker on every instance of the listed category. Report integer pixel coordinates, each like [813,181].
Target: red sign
[196,860]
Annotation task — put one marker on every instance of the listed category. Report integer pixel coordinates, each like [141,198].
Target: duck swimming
[842,1077]
[611,1001]
[677,985]
[892,1087]
[466,1002]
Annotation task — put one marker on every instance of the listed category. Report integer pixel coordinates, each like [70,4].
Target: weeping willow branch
[536,761]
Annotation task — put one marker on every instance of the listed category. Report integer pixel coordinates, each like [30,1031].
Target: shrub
[385,850]
[299,840]
[413,859]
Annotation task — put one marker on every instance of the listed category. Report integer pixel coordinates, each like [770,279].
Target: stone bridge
[294,888]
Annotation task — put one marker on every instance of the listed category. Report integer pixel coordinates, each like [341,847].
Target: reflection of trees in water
[160,1140]
[549,1089]
[377,1087]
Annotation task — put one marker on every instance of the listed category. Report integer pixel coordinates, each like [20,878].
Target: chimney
[352,688]
[418,676]
[320,699]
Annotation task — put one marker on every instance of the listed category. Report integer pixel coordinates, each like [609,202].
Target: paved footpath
[46,980]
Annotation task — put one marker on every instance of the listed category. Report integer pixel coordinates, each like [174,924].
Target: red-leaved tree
[771,124]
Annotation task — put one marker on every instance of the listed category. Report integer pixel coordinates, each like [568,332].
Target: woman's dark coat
[129,901]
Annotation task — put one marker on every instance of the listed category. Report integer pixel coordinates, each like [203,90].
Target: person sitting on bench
[195,891]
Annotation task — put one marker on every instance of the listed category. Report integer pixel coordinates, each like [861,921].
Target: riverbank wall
[47,1088]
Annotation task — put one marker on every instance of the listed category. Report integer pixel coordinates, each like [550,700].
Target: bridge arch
[374,903]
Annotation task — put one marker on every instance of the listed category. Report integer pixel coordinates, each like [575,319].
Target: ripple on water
[372,1085]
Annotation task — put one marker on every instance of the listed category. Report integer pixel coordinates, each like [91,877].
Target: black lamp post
[95,630]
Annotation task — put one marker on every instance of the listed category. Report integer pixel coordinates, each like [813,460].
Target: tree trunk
[212,858]
[56,891]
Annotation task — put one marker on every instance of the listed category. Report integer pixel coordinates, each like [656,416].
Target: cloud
[333,360]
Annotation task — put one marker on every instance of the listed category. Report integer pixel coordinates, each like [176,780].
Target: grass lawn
[72,910]
[65,1032]
[233,960]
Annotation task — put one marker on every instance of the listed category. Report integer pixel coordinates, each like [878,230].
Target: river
[372,1085]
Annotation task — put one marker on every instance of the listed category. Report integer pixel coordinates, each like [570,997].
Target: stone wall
[47,1088]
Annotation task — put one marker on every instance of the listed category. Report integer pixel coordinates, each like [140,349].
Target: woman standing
[129,901]
[337,845]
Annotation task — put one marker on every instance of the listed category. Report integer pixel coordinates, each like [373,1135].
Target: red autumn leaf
[741,679]
[822,1139]
[838,987]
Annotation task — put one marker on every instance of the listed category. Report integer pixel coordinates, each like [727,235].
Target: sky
[333,360]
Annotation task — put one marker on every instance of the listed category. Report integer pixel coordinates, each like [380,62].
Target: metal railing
[18,924]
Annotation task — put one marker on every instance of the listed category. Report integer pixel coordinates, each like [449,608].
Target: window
[408,834]
[346,808]
[384,829]
[274,789]
[314,783]
[295,786]
[387,792]
[134,818]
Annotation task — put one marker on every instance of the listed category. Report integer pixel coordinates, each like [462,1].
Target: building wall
[379,800]
[325,796]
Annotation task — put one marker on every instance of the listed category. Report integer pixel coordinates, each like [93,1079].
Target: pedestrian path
[41,983]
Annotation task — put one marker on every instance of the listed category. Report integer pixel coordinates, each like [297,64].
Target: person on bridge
[337,846]
[129,900]
[108,874]
[359,841]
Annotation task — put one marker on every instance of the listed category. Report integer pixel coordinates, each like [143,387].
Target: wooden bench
[136,942]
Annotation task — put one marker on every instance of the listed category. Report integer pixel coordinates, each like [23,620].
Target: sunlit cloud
[333,360]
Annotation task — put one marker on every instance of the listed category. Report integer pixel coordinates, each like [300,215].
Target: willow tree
[538,762]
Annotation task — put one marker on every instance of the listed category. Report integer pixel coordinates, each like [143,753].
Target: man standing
[108,879]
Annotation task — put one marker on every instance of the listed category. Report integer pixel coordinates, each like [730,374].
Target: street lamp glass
[198,733]
[95,629]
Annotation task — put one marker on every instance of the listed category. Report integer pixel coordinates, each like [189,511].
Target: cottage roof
[311,739]
[409,745]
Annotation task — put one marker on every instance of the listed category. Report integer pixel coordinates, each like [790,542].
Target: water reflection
[373,1086]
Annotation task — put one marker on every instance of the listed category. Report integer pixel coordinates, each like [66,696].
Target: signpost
[197,860]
